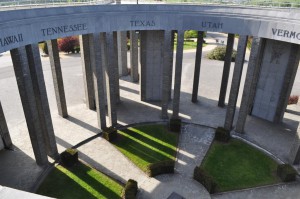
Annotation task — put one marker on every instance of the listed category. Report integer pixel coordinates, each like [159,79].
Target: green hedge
[175,125]
[109,133]
[69,157]
[160,168]
[130,189]
[205,179]
[192,34]
[222,134]
[286,172]
[219,53]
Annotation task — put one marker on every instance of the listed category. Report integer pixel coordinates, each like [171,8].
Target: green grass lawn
[147,144]
[80,181]
[237,165]
[188,45]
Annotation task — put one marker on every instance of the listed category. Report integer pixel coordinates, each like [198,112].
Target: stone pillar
[4,133]
[96,63]
[110,54]
[152,51]
[226,70]
[236,80]
[122,53]
[289,78]
[87,71]
[251,77]
[278,69]
[197,67]
[134,64]
[167,75]
[171,62]
[294,156]
[103,61]
[57,78]
[27,95]
[178,71]
[39,88]
[115,72]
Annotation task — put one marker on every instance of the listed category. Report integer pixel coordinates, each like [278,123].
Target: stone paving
[286,191]
[193,145]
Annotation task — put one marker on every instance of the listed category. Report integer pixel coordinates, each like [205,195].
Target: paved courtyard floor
[18,168]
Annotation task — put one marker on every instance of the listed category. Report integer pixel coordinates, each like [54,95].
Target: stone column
[236,80]
[122,53]
[288,82]
[226,70]
[178,71]
[27,95]
[57,78]
[96,63]
[110,54]
[197,67]
[294,156]
[39,88]
[278,69]
[152,64]
[249,87]
[134,64]
[115,73]
[87,71]
[166,87]
[171,62]
[4,133]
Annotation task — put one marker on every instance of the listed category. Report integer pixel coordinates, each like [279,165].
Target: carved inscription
[214,25]
[140,23]
[63,29]
[286,33]
[5,41]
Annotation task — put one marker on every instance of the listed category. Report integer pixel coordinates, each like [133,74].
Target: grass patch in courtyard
[79,181]
[237,165]
[188,45]
[147,144]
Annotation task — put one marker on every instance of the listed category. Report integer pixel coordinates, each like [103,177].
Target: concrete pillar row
[4,133]
[226,70]
[97,69]
[38,82]
[178,71]
[87,71]
[134,51]
[167,75]
[122,52]
[27,95]
[250,82]
[236,80]
[197,66]
[108,40]
[57,78]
